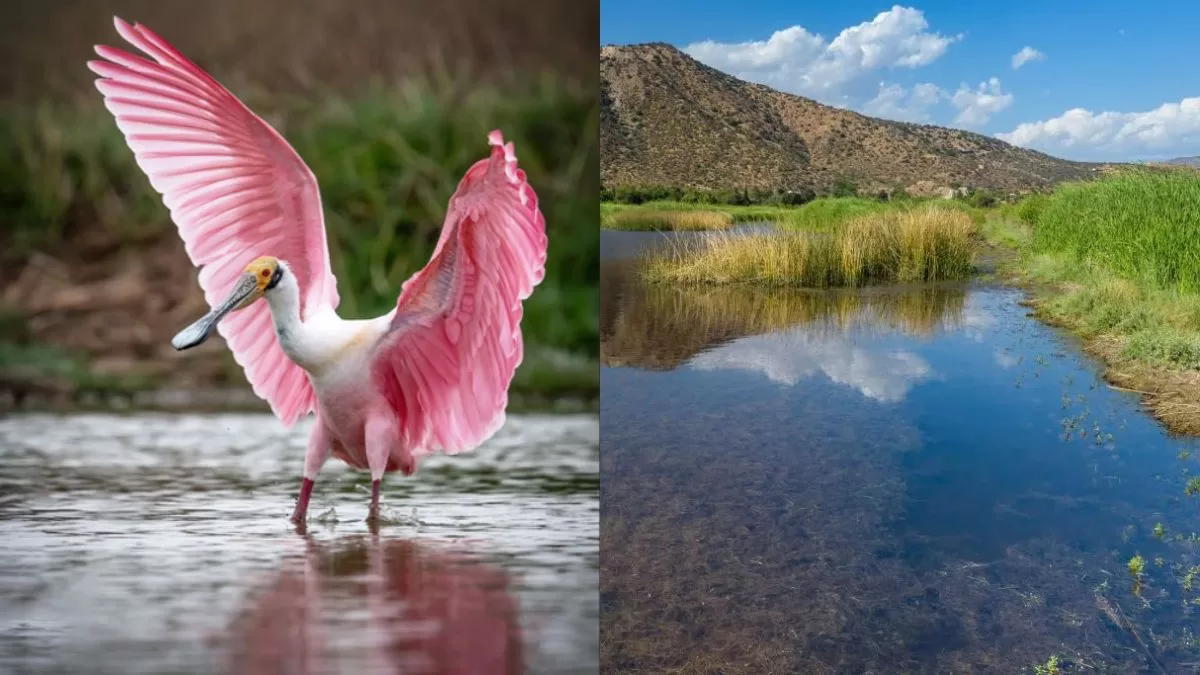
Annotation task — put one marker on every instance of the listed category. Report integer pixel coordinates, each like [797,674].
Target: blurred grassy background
[388,102]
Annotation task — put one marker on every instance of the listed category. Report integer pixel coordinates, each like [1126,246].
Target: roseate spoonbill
[431,375]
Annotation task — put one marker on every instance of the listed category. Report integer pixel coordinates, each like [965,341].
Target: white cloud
[1172,129]
[796,61]
[976,106]
[1026,55]
[906,105]
[792,356]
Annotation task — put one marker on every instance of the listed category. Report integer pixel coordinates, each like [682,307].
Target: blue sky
[1108,81]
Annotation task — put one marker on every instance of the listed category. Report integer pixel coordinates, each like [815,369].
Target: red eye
[266,273]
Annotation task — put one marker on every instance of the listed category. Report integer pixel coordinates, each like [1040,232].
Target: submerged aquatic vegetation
[1048,668]
[924,244]
[1137,570]
[1193,486]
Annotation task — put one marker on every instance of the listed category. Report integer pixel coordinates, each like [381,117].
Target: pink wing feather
[236,191]
[447,360]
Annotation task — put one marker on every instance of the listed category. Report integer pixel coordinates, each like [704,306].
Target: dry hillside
[669,120]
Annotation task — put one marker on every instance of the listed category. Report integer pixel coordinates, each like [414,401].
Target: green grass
[822,214]
[60,368]
[827,213]
[616,216]
[387,161]
[678,221]
[1122,255]
[1140,225]
[927,243]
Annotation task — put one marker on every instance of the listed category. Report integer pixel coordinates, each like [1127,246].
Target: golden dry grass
[925,244]
[670,220]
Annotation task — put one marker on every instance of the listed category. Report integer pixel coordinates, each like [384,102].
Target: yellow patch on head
[262,268]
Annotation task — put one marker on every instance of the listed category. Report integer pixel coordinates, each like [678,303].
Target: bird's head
[258,279]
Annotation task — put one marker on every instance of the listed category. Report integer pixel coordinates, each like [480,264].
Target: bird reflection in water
[371,605]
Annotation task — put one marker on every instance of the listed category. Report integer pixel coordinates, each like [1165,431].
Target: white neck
[322,340]
[284,301]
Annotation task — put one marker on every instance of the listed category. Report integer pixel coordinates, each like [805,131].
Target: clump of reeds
[670,220]
[923,244]
[1139,224]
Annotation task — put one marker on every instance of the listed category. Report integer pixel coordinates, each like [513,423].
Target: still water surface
[160,544]
[919,479]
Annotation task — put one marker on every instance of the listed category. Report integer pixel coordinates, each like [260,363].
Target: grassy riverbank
[821,214]
[1117,261]
[387,160]
[672,215]
[927,243]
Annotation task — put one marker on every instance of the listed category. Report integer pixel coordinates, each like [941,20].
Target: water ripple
[151,543]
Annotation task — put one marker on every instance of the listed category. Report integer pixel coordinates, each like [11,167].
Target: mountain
[1183,161]
[669,120]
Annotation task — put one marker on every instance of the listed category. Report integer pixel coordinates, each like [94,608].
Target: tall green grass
[822,214]
[625,216]
[897,245]
[680,221]
[387,161]
[1141,225]
[827,213]
[1122,255]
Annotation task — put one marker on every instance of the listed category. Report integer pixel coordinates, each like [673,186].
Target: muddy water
[160,544]
[919,479]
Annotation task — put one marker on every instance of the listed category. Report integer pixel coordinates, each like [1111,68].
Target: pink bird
[431,375]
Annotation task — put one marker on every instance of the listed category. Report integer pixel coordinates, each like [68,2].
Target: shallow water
[161,544]
[918,479]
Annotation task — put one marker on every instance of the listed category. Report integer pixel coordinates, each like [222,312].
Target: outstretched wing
[454,342]
[236,191]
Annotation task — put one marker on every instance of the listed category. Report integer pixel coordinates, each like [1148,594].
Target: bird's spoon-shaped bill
[244,293]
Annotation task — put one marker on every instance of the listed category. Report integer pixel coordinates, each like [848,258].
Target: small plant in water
[1193,486]
[1137,568]
[1160,531]
[1189,579]
[1048,668]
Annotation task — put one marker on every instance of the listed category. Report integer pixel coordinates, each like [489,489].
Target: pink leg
[319,447]
[380,436]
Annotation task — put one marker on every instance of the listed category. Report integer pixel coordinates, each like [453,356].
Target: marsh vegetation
[1113,259]
[1118,262]
[910,245]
